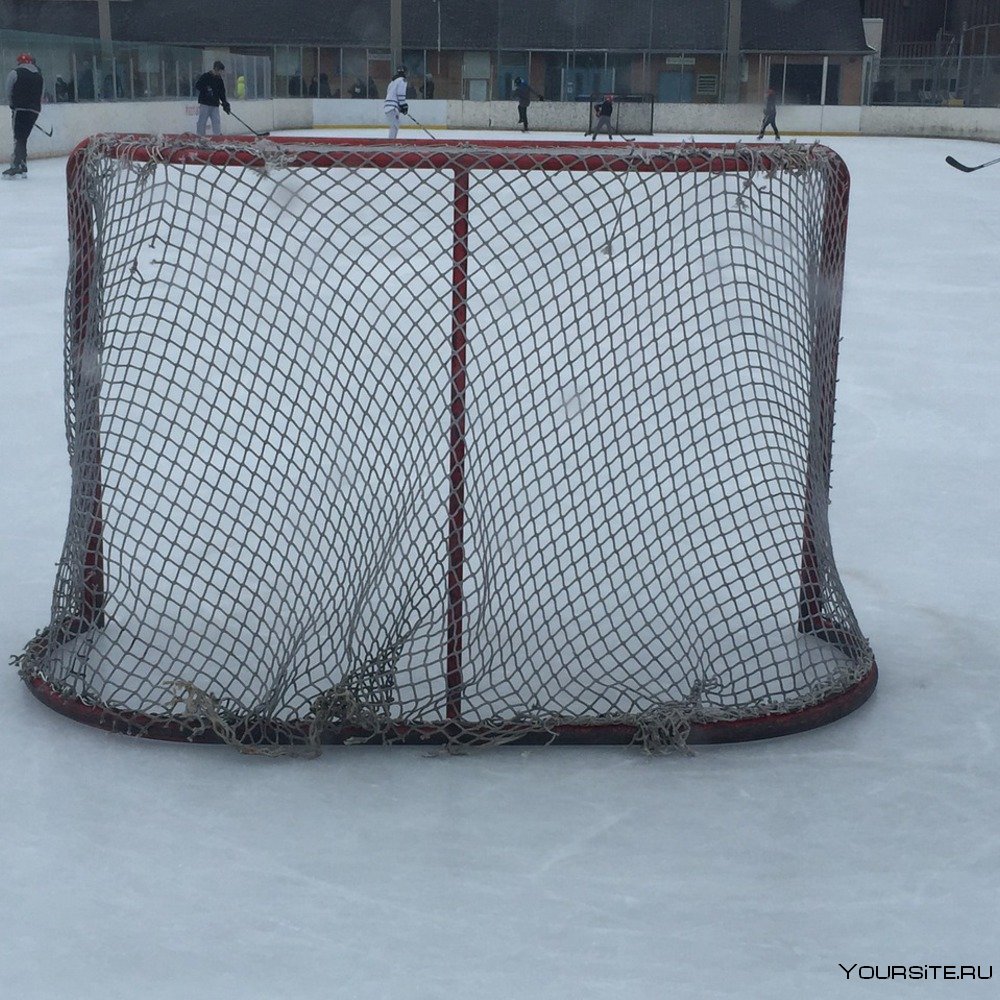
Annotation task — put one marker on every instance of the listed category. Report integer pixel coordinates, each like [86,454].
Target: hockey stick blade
[248,127]
[952,162]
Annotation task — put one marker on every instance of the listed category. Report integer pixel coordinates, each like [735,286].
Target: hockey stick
[952,162]
[252,131]
[47,131]
[406,114]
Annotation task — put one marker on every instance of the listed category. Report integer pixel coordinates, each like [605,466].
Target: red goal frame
[461,159]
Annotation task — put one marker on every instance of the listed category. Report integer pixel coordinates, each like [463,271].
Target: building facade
[474,49]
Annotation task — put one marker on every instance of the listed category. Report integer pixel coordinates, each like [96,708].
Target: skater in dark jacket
[211,95]
[770,112]
[604,111]
[24,97]
[523,92]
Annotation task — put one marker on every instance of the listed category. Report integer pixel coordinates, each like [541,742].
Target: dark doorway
[802,82]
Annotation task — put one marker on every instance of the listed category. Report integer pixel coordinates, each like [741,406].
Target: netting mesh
[451,441]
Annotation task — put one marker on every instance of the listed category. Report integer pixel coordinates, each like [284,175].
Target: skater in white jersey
[395,101]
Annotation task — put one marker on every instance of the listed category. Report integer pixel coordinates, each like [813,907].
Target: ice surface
[142,869]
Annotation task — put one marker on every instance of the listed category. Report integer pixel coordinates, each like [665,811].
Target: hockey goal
[632,114]
[464,442]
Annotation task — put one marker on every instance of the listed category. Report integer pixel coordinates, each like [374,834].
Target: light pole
[104,26]
[107,50]
[437,3]
[734,33]
[395,35]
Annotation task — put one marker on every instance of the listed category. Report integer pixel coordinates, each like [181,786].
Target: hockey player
[211,94]
[770,112]
[395,101]
[523,92]
[24,96]
[604,110]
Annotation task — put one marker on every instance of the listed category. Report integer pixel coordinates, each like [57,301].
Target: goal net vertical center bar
[457,440]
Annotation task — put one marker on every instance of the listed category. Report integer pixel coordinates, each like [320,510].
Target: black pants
[522,116]
[768,120]
[23,122]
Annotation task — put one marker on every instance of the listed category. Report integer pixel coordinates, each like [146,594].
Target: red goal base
[455,733]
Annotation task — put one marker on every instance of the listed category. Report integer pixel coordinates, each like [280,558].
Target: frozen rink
[137,869]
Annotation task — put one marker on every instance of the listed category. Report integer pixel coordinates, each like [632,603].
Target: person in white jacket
[395,101]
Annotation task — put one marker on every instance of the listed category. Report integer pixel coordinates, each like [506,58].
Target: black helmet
[400,71]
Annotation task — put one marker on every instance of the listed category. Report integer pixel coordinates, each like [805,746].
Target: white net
[451,441]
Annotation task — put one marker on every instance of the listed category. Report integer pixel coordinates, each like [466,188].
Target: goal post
[451,441]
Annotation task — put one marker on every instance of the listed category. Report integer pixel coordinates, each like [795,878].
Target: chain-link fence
[969,81]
